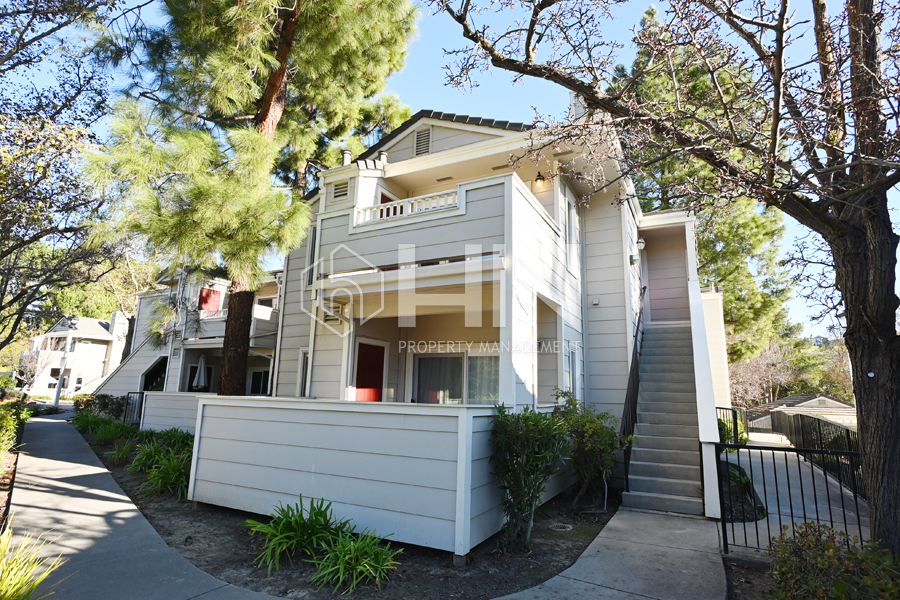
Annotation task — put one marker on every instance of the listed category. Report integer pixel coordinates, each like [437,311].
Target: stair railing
[629,414]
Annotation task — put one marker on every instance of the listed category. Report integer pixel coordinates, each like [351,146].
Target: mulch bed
[742,503]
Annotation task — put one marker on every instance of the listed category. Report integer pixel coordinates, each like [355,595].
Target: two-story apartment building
[438,282]
[95,348]
[194,344]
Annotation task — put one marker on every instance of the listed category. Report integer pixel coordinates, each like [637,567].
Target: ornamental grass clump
[296,528]
[170,475]
[528,447]
[350,559]
[21,568]
[819,562]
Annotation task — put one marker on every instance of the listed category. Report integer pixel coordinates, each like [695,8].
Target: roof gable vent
[341,190]
[423,141]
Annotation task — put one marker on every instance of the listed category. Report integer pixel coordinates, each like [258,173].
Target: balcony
[212,327]
[411,207]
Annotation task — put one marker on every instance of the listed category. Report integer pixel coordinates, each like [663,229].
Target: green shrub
[528,447]
[175,438]
[594,442]
[295,528]
[86,422]
[821,562]
[149,455]
[726,433]
[102,404]
[21,568]
[107,432]
[47,410]
[83,403]
[349,560]
[169,476]
[9,394]
[121,452]
[145,436]
[7,382]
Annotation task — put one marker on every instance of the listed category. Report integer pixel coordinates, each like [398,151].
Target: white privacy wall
[164,410]
[419,473]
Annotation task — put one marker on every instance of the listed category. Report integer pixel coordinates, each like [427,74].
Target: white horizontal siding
[395,473]
[127,377]
[164,410]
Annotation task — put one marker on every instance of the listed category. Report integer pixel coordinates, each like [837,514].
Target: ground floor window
[456,379]
[258,383]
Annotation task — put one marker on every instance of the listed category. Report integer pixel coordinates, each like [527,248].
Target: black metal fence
[763,489]
[733,416]
[134,407]
[810,431]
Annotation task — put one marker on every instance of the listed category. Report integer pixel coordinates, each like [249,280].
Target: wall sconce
[539,180]
[635,259]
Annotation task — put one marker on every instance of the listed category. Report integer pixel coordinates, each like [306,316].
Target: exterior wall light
[539,180]
[635,259]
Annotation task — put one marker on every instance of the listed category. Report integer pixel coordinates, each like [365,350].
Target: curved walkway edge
[64,493]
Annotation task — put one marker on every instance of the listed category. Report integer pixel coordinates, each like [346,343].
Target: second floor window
[209,299]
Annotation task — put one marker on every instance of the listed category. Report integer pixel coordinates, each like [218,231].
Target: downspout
[282,279]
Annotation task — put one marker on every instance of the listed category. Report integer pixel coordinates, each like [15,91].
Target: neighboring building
[95,350]
[759,418]
[436,283]
[172,365]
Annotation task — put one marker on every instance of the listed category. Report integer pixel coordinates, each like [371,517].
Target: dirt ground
[745,583]
[216,541]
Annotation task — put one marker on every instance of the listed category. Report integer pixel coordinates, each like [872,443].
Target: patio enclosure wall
[418,473]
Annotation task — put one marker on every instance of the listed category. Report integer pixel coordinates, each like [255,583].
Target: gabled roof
[801,401]
[94,329]
[441,116]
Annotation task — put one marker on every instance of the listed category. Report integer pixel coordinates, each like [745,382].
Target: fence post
[734,418]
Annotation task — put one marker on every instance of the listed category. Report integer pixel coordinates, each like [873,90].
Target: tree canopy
[809,101]
[225,97]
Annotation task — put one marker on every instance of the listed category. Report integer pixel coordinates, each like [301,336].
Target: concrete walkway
[64,492]
[112,553]
[788,485]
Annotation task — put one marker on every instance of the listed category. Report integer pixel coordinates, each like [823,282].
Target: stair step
[667,349]
[665,418]
[648,469]
[679,431]
[667,368]
[666,443]
[663,485]
[681,408]
[657,336]
[663,502]
[678,376]
[666,396]
[684,360]
[674,457]
[681,387]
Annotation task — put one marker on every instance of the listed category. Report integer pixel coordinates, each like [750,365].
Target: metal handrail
[629,414]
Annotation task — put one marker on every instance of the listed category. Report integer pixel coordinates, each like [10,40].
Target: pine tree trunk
[865,263]
[236,345]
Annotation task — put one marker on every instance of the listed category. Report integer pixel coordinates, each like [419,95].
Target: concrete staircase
[664,473]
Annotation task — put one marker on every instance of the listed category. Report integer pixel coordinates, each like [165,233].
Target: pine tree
[737,240]
[229,79]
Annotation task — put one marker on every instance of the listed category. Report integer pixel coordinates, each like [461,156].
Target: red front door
[369,373]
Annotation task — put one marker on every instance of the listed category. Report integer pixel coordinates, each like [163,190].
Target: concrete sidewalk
[640,556]
[64,492]
[112,553]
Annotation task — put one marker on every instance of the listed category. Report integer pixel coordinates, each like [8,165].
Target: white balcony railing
[406,208]
[220,313]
